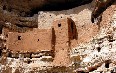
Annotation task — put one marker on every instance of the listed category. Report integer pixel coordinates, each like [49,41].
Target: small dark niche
[107,65]
[59,25]
[38,40]
[19,37]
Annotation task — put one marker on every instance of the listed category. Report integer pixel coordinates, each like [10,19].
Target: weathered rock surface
[28,7]
[94,53]
[17,13]
[99,54]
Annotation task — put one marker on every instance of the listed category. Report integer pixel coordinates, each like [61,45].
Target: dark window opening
[29,61]
[107,65]
[38,39]
[59,25]
[4,7]
[98,49]
[19,37]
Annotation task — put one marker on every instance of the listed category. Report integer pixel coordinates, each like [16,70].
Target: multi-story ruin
[57,39]
[65,31]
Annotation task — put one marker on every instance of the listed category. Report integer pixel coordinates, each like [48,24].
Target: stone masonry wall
[32,41]
[64,32]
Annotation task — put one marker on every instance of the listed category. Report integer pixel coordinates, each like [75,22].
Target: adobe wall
[33,41]
[65,31]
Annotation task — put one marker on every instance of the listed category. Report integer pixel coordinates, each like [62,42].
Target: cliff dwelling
[57,39]
[57,36]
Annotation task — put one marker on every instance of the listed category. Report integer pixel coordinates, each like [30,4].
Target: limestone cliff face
[93,52]
[23,13]
[29,7]
[98,55]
